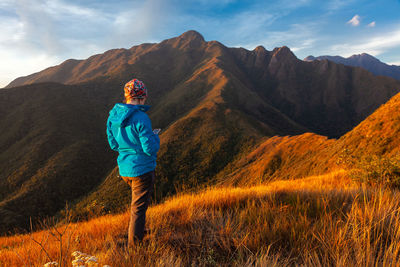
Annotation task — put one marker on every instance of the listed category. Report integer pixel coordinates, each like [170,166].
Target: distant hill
[213,103]
[365,61]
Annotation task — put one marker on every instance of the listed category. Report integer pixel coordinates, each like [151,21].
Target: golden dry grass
[326,220]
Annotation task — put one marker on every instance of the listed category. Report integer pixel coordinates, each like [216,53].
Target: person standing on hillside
[129,132]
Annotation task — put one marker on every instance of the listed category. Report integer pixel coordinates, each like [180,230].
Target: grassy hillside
[378,134]
[319,221]
[48,149]
[281,158]
[375,141]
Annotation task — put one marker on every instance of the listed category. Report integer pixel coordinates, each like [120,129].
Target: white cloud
[397,63]
[374,45]
[355,21]
[41,33]
[6,4]
[303,44]
[36,34]
[18,56]
[372,24]
[290,4]
[213,2]
[252,27]
[47,23]
[11,31]
[37,27]
[240,29]
[246,24]
[59,8]
[22,64]
[141,23]
[299,38]
[334,5]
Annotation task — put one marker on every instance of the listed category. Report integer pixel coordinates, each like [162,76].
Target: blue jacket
[130,133]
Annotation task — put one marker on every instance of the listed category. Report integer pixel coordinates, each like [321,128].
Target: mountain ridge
[365,61]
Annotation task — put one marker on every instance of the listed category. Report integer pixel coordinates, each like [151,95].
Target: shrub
[376,170]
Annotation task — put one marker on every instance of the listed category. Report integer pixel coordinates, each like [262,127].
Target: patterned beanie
[135,89]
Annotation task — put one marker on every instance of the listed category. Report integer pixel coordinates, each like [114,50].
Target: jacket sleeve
[111,140]
[150,142]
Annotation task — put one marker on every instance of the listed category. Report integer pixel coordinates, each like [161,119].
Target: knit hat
[135,89]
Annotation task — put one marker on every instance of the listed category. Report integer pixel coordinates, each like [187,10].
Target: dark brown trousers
[142,188]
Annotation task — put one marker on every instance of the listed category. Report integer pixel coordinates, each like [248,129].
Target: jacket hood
[120,113]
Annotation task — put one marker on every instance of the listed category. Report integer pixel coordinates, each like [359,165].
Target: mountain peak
[189,39]
[363,56]
[366,54]
[365,61]
[309,58]
[282,50]
[259,49]
[192,35]
[283,53]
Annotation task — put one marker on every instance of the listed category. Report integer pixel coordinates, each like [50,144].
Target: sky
[36,34]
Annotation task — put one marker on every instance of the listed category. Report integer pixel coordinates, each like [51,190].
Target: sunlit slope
[327,219]
[310,154]
[280,158]
[378,134]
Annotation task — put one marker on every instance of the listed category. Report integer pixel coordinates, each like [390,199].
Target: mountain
[322,97]
[365,61]
[215,105]
[120,62]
